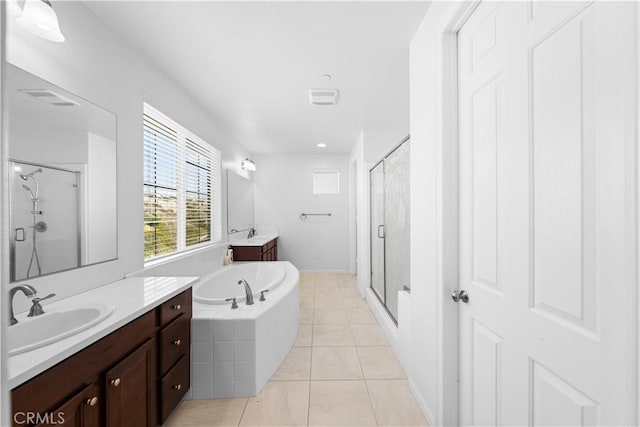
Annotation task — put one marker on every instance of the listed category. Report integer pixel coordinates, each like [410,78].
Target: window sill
[182,254]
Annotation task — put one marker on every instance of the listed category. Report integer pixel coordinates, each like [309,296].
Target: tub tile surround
[141,295]
[239,350]
[319,384]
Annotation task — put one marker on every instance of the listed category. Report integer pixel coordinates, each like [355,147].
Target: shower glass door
[396,220]
[45,226]
[390,227]
[377,230]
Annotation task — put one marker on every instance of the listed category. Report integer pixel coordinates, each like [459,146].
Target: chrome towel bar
[304,216]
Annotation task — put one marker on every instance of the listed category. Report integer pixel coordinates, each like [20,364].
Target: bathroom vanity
[256,249]
[133,376]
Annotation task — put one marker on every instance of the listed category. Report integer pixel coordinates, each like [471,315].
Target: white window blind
[182,197]
[326,181]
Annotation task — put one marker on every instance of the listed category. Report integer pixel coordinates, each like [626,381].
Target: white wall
[284,189]
[432,367]
[379,143]
[94,64]
[99,217]
[361,186]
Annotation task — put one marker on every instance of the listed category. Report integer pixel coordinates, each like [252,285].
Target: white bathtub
[216,287]
[236,351]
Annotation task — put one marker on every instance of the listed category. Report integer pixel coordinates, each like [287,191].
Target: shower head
[26,187]
[29,175]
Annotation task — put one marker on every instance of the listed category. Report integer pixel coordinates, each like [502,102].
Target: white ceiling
[251,64]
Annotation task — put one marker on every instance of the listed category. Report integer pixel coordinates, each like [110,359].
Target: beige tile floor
[340,372]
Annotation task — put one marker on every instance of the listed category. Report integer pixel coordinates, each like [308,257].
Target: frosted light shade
[39,18]
[249,165]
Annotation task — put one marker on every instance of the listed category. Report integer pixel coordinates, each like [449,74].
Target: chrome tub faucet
[247,290]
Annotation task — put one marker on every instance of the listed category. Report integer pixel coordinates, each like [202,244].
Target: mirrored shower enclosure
[45,226]
[390,226]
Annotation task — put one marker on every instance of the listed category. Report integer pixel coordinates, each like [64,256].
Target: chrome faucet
[28,290]
[252,232]
[247,291]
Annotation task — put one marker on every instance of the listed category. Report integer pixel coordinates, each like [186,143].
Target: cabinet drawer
[173,387]
[247,253]
[174,342]
[271,244]
[180,304]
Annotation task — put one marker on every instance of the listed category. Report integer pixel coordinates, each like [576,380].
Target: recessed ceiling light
[326,76]
[321,145]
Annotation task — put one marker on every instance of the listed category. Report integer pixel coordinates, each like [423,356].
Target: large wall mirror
[239,203]
[62,152]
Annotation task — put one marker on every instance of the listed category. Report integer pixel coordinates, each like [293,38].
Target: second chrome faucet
[247,290]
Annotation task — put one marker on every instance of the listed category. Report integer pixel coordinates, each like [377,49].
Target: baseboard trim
[422,404]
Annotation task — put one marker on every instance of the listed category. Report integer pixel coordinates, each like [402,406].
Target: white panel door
[547,214]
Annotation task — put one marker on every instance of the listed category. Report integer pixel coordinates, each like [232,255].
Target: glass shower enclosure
[390,226]
[45,227]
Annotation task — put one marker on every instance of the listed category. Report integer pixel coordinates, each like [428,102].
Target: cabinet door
[130,390]
[82,410]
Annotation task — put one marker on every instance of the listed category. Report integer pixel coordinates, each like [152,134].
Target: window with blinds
[181,187]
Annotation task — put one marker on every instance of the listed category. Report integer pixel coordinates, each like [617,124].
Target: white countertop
[131,297]
[258,240]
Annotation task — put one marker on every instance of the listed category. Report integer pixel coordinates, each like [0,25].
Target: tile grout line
[366,384]
[311,356]
[244,408]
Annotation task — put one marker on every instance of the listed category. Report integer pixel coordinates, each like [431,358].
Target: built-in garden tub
[236,351]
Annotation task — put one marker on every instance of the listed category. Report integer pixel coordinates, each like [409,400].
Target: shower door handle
[381,235]
[19,237]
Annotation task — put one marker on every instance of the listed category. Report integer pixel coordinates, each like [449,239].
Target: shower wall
[56,230]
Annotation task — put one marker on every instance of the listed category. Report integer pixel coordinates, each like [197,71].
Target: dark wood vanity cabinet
[133,377]
[174,341]
[81,410]
[266,252]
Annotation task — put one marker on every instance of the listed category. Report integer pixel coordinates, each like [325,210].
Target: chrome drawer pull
[177,387]
[177,342]
[177,307]
[92,402]
[115,382]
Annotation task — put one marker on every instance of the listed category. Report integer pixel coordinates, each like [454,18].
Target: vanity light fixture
[321,145]
[39,18]
[249,165]
[13,8]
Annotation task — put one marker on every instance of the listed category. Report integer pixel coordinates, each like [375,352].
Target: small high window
[326,181]
[181,188]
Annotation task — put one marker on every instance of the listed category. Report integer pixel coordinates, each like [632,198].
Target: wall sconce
[39,18]
[249,165]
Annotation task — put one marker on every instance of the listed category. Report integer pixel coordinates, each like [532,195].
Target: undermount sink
[57,323]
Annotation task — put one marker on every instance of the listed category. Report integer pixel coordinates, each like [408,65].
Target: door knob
[460,295]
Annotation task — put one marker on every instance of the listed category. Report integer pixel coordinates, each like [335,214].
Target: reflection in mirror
[239,203]
[63,178]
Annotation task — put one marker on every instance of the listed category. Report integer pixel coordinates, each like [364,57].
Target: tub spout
[247,290]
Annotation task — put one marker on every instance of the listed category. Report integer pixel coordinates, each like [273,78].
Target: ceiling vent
[323,96]
[49,97]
